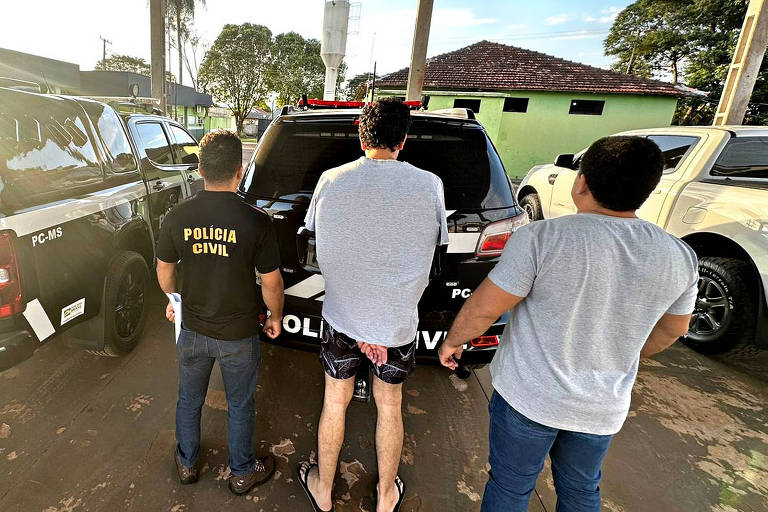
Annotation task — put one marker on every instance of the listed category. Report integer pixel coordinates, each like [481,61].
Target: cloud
[609,14]
[458,17]
[582,34]
[557,19]
[606,16]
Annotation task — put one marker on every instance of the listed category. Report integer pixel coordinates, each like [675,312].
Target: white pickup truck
[714,195]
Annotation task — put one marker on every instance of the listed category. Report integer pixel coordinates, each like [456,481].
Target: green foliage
[138,65]
[687,41]
[236,68]
[297,68]
[356,87]
[124,63]
[246,67]
[181,13]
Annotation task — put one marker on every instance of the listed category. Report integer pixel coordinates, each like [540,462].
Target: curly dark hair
[221,155]
[622,171]
[384,123]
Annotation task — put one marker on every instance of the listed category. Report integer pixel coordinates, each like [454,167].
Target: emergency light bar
[311,103]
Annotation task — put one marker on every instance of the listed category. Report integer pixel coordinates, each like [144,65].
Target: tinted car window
[292,155]
[155,143]
[47,152]
[674,148]
[185,147]
[745,157]
[112,132]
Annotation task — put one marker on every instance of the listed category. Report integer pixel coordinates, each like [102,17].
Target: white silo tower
[334,43]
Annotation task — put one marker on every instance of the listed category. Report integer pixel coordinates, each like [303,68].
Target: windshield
[293,155]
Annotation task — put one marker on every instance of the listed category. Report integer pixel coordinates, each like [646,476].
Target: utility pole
[745,66]
[419,51]
[157,36]
[104,43]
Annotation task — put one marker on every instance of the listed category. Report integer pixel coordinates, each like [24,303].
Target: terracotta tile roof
[487,66]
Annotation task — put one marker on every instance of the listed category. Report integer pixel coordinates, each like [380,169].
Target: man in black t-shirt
[220,243]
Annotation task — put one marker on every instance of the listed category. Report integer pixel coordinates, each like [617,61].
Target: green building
[219,118]
[535,106]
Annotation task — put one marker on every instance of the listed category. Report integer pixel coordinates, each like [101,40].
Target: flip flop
[400,486]
[306,467]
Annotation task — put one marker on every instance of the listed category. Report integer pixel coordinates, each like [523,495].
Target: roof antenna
[373,83]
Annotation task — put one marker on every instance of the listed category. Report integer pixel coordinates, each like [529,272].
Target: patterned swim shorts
[341,357]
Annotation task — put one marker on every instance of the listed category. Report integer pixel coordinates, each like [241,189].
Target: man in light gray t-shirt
[592,293]
[377,223]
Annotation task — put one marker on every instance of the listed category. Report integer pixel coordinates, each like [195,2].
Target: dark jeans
[518,449]
[239,363]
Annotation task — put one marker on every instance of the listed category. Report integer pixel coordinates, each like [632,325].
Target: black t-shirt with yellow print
[221,242]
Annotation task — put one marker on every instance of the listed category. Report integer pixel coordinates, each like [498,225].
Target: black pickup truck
[83,192]
[482,212]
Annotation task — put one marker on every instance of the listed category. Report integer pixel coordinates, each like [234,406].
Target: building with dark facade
[55,76]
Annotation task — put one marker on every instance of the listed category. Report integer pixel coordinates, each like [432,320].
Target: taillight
[485,341]
[495,236]
[10,279]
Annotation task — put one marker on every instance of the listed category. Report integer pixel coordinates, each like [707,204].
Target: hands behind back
[376,353]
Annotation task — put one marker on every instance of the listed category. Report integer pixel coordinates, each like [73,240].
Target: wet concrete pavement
[85,433]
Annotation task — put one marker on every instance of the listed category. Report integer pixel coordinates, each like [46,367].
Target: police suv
[301,144]
[83,191]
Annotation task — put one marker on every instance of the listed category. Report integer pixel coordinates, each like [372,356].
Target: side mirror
[564,160]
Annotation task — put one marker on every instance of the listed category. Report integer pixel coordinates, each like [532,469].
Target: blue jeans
[239,363]
[518,449]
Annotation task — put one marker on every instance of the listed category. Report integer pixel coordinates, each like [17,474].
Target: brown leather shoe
[263,471]
[186,475]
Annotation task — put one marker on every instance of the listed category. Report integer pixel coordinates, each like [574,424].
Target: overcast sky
[70,30]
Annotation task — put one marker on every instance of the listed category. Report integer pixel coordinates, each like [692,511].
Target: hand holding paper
[173,312]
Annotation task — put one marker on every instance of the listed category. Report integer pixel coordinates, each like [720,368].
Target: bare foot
[313,483]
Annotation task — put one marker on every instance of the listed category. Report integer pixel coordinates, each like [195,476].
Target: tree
[625,42]
[298,68]
[687,41]
[138,65]
[651,36]
[118,62]
[235,69]
[182,12]
[193,50]
[295,70]
[357,87]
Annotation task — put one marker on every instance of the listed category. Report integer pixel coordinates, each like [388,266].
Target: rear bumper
[302,332]
[15,347]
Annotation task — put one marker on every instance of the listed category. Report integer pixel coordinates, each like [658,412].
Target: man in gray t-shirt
[377,223]
[591,293]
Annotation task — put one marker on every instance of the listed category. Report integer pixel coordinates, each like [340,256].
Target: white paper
[175,299]
[38,320]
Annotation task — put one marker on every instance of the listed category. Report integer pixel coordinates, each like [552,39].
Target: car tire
[125,303]
[725,315]
[532,206]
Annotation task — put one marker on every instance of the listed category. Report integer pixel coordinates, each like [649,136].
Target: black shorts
[341,357]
